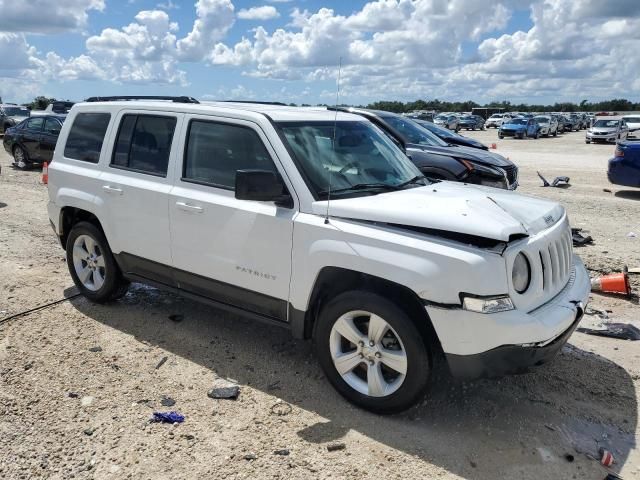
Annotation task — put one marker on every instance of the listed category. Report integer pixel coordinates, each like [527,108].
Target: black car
[451,137]
[437,159]
[472,122]
[33,140]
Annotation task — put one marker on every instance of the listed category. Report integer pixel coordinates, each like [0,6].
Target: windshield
[435,129]
[542,119]
[606,123]
[16,112]
[362,157]
[496,115]
[632,119]
[412,132]
[519,121]
[442,117]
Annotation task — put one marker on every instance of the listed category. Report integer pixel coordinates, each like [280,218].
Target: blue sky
[533,51]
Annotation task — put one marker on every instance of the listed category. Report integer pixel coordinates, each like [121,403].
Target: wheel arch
[69,216]
[331,281]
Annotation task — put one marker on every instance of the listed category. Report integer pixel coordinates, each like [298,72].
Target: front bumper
[480,345]
[510,133]
[610,137]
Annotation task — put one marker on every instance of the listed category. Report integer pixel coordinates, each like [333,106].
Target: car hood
[466,153]
[485,212]
[603,130]
[466,141]
[514,126]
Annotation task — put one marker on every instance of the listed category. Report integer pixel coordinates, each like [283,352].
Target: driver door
[532,127]
[236,252]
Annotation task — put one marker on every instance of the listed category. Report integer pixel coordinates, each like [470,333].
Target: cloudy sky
[288,50]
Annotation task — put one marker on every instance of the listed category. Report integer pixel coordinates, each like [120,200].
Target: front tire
[20,156]
[92,266]
[372,352]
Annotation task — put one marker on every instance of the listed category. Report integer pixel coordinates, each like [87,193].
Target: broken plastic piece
[623,331]
[168,417]
[556,181]
[580,240]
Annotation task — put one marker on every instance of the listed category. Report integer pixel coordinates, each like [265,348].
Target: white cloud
[265,12]
[46,16]
[214,19]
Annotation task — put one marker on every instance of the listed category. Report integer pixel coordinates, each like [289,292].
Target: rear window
[144,144]
[86,136]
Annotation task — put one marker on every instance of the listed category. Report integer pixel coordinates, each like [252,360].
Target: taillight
[619,152]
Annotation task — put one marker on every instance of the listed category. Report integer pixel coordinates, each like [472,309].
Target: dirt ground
[69,410]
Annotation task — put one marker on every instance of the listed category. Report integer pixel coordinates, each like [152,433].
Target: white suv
[316,221]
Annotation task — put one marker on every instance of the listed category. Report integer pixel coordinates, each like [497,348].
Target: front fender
[435,269]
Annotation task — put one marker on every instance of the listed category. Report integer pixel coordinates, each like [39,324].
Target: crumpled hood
[466,153]
[453,207]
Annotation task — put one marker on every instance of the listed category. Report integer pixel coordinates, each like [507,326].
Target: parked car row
[320,222]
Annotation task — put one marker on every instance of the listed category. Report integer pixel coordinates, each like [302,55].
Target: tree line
[618,104]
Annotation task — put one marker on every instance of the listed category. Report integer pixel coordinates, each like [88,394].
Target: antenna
[335,121]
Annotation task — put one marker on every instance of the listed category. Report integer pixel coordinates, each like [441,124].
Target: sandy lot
[69,410]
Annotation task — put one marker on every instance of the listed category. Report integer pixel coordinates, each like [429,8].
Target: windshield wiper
[409,182]
[361,186]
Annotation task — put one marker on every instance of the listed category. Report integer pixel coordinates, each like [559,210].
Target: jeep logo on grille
[548,219]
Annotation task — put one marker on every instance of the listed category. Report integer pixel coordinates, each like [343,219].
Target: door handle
[110,189]
[187,207]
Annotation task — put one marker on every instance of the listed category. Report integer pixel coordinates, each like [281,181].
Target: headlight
[495,304]
[521,273]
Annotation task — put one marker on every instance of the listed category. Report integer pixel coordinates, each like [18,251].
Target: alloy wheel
[89,262]
[19,157]
[368,353]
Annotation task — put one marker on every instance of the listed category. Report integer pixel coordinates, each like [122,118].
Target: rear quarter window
[86,136]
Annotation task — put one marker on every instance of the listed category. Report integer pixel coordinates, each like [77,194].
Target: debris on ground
[635,270]
[72,395]
[632,235]
[89,431]
[282,451]
[176,317]
[161,362]
[623,331]
[224,389]
[167,402]
[86,401]
[564,180]
[569,458]
[612,283]
[95,349]
[606,458]
[250,456]
[594,311]
[332,447]
[167,417]
[580,240]
[281,408]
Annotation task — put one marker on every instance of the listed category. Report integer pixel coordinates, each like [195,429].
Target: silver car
[633,122]
[11,115]
[607,131]
[452,122]
[496,120]
[548,125]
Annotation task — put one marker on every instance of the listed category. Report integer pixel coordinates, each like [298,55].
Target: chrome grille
[555,262]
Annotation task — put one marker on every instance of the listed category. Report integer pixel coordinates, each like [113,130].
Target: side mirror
[260,185]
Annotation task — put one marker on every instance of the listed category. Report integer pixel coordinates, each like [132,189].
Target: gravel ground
[69,409]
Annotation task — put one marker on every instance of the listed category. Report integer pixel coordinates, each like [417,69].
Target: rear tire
[92,265]
[384,361]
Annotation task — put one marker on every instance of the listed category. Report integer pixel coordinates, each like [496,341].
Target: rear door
[48,138]
[30,138]
[233,251]
[134,189]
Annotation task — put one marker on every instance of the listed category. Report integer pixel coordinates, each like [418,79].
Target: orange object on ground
[614,283]
[493,146]
[45,173]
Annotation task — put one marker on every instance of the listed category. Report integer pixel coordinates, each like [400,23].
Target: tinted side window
[144,143]
[86,136]
[35,123]
[215,151]
[52,126]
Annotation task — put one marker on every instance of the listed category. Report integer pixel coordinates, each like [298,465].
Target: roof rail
[182,99]
[256,102]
